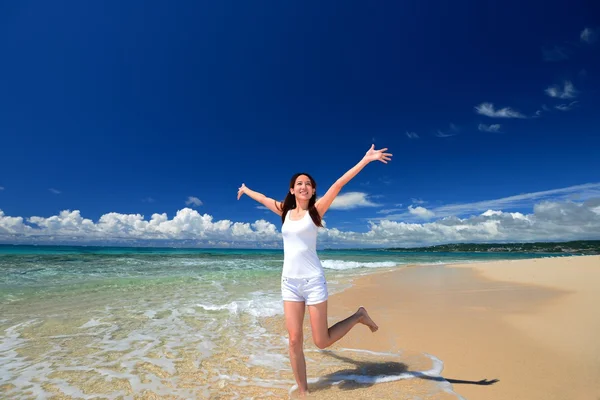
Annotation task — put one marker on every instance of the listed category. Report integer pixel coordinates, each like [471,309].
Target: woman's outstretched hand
[379,155]
[241,190]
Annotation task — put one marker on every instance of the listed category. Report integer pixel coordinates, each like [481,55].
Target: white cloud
[421,212]
[347,201]
[488,110]
[489,213]
[389,210]
[1,187]
[568,91]
[187,224]
[555,53]
[544,108]
[11,225]
[452,131]
[579,192]
[54,191]
[417,201]
[66,223]
[194,201]
[489,128]
[549,221]
[561,218]
[588,35]
[566,107]
[412,135]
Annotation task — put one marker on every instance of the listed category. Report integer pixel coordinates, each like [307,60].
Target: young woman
[303,281]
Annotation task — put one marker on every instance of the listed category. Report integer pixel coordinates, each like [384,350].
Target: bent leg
[294,317]
[324,336]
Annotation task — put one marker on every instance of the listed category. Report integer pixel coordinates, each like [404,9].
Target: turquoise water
[115,322]
[46,267]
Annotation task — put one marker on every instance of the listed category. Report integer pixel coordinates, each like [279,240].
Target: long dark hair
[289,202]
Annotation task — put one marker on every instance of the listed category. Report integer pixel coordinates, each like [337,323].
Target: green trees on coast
[574,247]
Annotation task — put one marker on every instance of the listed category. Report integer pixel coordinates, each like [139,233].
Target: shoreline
[529,323]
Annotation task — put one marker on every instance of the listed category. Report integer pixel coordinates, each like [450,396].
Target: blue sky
[114,111]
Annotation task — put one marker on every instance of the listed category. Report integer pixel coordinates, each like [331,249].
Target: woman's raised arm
[324,202]
[271,204]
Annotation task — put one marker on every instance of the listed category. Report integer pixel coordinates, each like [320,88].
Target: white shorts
[310,290]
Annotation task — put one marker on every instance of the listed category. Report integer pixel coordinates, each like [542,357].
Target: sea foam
[345,265]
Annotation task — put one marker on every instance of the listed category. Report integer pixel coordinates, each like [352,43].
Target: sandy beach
[524,329]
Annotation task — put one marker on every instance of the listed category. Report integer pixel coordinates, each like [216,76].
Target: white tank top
[300,258]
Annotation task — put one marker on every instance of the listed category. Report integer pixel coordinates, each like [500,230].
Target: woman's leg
[294,317]
[325,337]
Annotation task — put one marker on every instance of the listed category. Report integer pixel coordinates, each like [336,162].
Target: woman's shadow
[367,373]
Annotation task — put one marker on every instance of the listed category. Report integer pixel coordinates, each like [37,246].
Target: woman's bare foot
[366,320]
[301,395]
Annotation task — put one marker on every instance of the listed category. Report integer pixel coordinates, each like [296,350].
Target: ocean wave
[344,265]
[260,305]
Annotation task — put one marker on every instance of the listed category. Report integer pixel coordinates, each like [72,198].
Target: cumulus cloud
[54,191]
[566,107]
[412,135]
[568,91]
[488,110]
[421,212]
[193,201]
[489,128]
[549,220]
[187,224]
[588,35]
[11,225]
[350,200]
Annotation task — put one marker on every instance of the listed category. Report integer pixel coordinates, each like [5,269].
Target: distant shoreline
[582,247]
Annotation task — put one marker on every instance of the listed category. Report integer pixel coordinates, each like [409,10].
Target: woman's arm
[271,204]
[324,202]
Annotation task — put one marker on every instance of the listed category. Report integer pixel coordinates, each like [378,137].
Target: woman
[303,281]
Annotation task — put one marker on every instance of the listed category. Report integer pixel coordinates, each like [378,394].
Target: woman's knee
[295,341]
[320,342]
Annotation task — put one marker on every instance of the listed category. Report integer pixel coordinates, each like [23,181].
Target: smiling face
[303,188]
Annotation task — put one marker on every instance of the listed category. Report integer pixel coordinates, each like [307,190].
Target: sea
[129,323]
